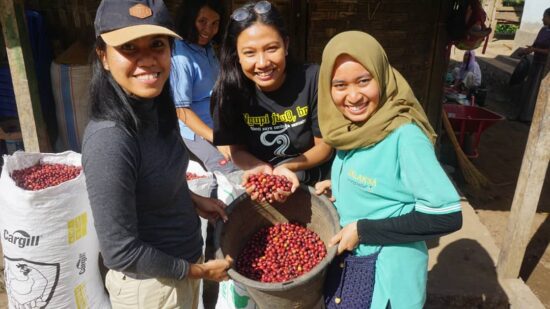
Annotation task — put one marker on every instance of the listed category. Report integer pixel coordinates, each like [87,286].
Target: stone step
[508,60]
[462,271]
[503,67]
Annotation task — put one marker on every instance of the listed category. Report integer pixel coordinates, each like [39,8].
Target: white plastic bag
[229,186]
[231,294]
[202,186]
[50,245]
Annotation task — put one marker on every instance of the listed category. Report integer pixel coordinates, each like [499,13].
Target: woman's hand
[258,169]
[214,270]
[209,208]
[282,170]
[225,151]
[281,196]
[324,187]
[347,238]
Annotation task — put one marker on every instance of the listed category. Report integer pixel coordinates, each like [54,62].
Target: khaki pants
[128,293]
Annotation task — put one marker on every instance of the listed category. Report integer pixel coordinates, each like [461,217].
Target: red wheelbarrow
[470,120]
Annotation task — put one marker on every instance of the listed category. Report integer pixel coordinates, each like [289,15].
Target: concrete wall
[531,22]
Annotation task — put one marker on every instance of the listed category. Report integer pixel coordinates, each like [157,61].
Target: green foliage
[506,28]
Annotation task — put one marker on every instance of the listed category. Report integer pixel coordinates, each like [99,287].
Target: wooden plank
[438,67]
[492,12]
[25,86]
[529,187]
[509,17]
[489,6]
[520,295]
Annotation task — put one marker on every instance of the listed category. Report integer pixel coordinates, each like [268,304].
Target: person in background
[540,50]
[390,191]
[195,69]
[264,106]
[468,75]
[133,158]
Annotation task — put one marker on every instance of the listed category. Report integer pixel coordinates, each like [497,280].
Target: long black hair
[110,102]
[233,88]
[188,15]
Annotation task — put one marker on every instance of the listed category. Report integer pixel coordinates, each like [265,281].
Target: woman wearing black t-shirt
[264,107]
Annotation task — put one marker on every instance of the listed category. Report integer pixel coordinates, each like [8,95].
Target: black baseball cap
[121,21]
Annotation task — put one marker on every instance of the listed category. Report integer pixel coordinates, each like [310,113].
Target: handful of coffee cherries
[267,185]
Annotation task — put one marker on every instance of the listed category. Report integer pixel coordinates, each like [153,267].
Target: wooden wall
[72,20]
[411,31]
[406,29]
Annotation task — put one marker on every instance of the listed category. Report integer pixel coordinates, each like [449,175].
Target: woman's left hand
[347,238]
[210,208]
[324,187]
[225,151]
[281,170]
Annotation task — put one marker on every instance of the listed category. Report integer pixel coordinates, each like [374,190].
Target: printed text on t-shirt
[286,116]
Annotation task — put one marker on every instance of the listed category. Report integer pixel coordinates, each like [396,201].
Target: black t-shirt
[276,125]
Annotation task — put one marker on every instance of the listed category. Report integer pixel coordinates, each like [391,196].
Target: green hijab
[397,106]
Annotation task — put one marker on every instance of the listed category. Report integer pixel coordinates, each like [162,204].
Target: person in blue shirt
[195,69]
[390,191]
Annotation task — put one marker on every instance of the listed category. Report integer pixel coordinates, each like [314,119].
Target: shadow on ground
[500,157]
[480,289]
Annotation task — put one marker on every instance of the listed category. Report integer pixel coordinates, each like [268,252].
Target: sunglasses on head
[241,14]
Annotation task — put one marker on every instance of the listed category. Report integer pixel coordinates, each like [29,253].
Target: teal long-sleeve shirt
[395,179]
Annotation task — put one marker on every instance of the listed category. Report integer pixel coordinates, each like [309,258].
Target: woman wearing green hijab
[390,191]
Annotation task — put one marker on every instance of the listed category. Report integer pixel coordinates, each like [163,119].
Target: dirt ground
[501,151]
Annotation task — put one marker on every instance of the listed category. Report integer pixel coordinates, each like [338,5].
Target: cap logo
[140,11]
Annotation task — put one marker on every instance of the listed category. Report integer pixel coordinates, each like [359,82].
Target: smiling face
[354,90]
[140,67]
[262,55]
[207,24]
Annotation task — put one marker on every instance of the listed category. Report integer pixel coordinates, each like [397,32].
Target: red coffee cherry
[280,253]
[191,176]
[44,175]
[266,184]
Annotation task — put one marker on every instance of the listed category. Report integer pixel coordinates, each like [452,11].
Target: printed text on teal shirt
[362,180]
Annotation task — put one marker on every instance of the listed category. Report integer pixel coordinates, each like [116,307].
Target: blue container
[14,145]
[7,97]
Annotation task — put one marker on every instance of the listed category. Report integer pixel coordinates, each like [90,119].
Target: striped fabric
[70,87]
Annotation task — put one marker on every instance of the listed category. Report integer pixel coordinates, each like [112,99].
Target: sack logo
[81,264]
[30,284]
[21,239]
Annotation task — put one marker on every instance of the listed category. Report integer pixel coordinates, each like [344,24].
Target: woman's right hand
[258,169]
[225,151]
[262,168]
[213,270]
[324,187]
[346,239]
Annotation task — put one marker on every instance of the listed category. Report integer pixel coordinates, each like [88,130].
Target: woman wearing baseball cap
[145,216]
